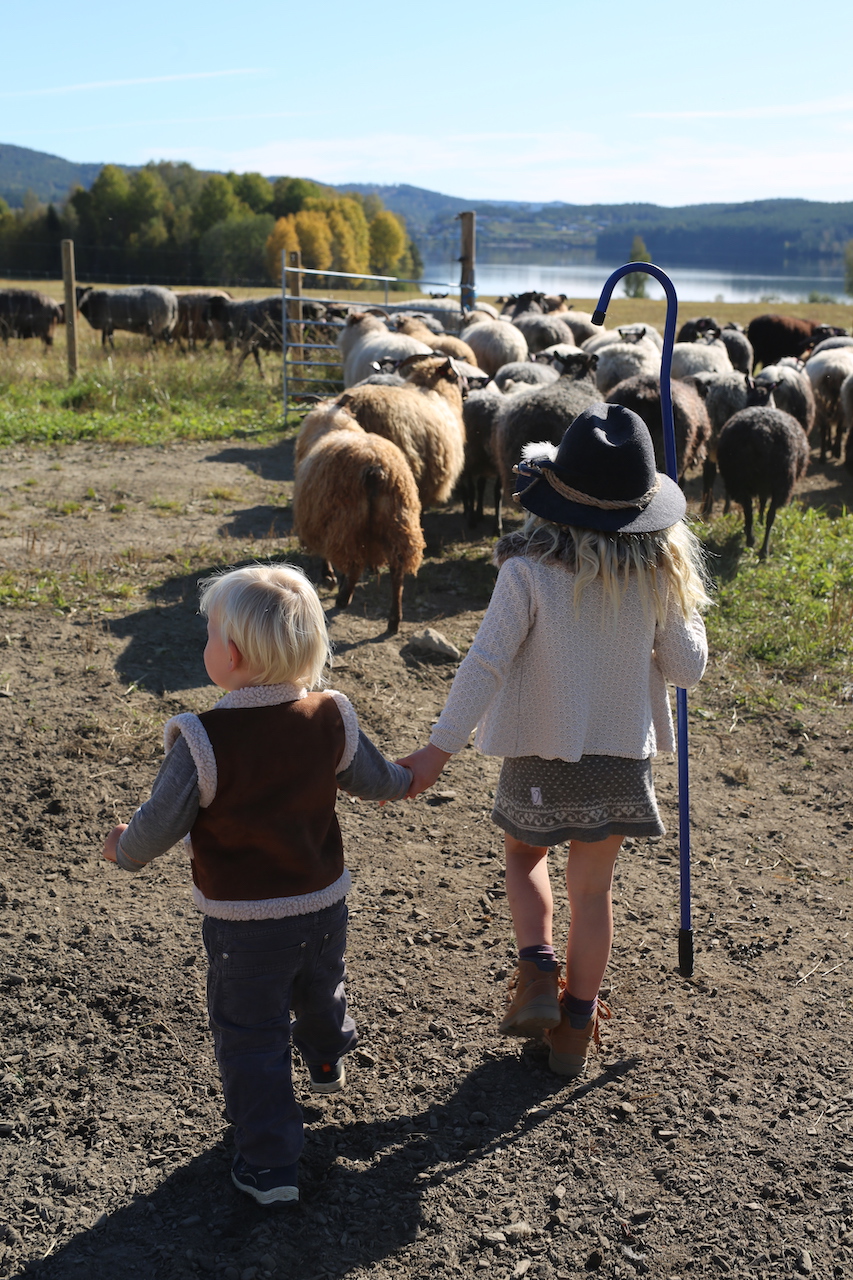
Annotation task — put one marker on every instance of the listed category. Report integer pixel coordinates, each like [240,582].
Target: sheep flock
[437,401]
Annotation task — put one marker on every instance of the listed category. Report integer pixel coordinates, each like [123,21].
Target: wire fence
[311,364]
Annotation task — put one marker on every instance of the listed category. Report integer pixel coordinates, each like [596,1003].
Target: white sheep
[827,371]
[366,339]
[620,360]
[495,343]
[700,357]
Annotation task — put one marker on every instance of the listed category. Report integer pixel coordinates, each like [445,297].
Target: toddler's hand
[425,765]
[111,843]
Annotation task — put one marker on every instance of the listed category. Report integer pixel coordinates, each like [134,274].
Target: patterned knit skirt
[545,802]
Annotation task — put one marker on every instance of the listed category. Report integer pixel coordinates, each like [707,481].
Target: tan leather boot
[534,1005]
[570,1045]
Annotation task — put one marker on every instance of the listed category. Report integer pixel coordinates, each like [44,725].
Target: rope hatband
[586,499]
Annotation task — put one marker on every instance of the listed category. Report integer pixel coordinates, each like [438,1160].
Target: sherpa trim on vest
[275,908]
[263,695]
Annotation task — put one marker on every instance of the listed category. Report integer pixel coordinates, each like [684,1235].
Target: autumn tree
[387,242]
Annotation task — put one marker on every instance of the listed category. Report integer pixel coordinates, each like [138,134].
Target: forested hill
[761,234]
[49,178]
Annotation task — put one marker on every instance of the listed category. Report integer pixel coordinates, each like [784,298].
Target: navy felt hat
[602,476]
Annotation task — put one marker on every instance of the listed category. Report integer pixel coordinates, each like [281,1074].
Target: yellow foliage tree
[387,242]
[315,238]
[282,239]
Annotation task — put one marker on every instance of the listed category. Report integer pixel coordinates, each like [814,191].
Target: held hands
[111,843]
[425,765]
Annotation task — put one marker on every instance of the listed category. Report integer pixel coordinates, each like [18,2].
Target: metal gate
[311,362]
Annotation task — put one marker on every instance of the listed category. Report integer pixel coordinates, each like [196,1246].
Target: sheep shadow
[362,1186]
[272,463]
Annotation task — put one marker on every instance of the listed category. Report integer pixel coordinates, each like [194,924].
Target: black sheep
[762,453]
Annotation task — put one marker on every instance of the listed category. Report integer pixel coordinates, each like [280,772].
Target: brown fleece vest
[271,831]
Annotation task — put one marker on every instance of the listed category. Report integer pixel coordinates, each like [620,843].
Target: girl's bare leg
[589,880]
[528,891]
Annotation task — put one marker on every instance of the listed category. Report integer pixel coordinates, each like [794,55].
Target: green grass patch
[137,397]
[792,614]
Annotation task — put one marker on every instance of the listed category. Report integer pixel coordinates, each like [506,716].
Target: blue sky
[610,101]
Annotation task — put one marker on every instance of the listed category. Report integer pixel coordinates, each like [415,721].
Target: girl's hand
[425,765]
[111,843]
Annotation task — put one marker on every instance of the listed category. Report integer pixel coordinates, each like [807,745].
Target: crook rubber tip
[598,317]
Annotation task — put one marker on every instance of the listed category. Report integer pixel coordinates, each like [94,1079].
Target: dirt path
[711,1137]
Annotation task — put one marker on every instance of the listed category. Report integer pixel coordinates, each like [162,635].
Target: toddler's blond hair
[274,617]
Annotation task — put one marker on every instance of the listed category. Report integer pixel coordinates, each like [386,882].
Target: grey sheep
[846,400]
[739,347]
[542,413]
[28,313]
[762,453]
[792,391]
[142,308]
[830,344]
[479,413]
[495,343]
[724,395]
[690,418]
[541,331]
[580,323]
[528,371]
[826,372]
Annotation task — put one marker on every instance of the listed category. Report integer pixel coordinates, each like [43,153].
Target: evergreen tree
[635,282]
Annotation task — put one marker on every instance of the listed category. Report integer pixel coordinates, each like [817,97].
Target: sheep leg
[848,452]
[396,611]
[481,494]
[328,573]
[709,475]
[747,522]
[771,516]
[347,581]
[836,443]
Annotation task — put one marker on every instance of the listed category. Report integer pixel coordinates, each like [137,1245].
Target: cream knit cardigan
[544,679]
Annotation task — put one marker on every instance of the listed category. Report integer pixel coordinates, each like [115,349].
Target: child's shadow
[363,1187]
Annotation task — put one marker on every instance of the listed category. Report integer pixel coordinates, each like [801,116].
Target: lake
[586,279]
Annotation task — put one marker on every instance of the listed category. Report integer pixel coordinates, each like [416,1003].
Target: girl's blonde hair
[274,617]
[668,560]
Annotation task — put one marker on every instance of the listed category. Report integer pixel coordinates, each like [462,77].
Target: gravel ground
[710,1137]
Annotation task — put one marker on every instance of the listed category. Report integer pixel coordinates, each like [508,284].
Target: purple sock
[542,956]
[579,1011]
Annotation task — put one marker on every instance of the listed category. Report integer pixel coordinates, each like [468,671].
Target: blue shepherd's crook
[685,933]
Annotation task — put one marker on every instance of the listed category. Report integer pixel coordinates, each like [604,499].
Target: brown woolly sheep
[423,419]
[690,418]
[445,343]
[355,504]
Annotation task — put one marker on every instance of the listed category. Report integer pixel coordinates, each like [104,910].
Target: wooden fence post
[70,281]
[467,258]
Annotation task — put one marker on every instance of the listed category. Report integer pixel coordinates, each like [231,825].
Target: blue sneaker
[327,1077]
[267,1186]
